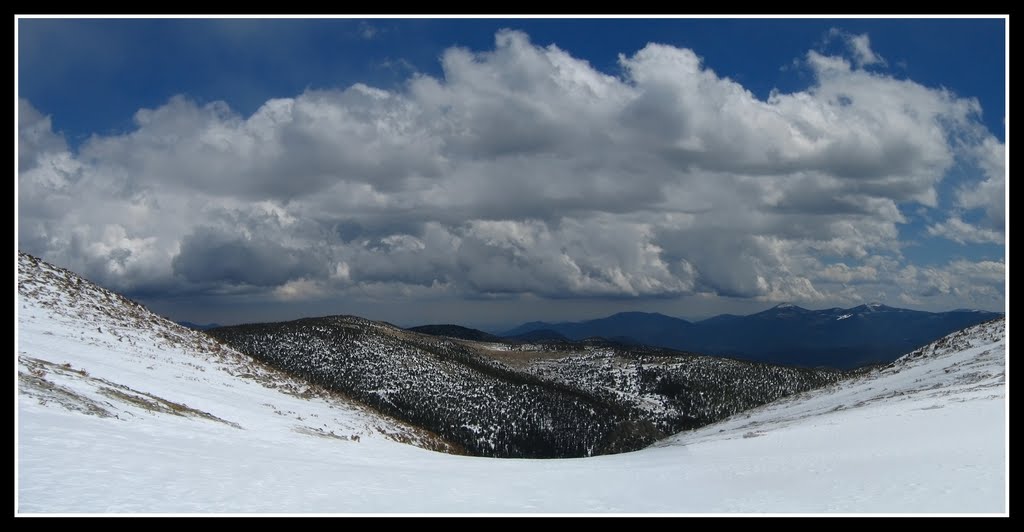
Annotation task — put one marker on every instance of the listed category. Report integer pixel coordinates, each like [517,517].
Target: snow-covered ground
[121,411]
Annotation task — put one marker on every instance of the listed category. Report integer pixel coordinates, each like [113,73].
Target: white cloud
[860,47]
[825,65]
[841,273]
[35,137]
[367,31]
[523,170]
[299,290]
[989,194]
[986,194]
[959,283]
[962,232]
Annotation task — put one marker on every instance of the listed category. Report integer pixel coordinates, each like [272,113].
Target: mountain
[166,420]
[785,334]
[642,327]
[538,335]
[454,331]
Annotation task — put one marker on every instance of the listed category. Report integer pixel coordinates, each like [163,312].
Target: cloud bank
[525,171]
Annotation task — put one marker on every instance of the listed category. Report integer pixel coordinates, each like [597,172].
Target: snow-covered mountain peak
[784,309]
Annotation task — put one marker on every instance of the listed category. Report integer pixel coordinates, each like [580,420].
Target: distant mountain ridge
[642,327]
[535,336]
[456,331]
[539,335]
[784,334]
[198,326]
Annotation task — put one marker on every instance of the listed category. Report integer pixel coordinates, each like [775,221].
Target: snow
[926,434]
[844,316]
[496,346]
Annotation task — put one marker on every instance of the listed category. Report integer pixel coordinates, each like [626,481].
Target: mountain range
[784,334]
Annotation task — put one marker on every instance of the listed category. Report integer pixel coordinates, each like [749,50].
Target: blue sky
[92,75]
[379,204]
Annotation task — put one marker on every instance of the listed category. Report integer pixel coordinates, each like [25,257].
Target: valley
[167,419]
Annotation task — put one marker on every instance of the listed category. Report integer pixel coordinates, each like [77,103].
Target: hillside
[88,350]
[577,400]
[433,382]
[925,433]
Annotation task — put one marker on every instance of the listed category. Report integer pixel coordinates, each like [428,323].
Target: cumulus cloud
[962,232]
[35,137]
[960,280]
[211,256]
[521,171]
[986,197]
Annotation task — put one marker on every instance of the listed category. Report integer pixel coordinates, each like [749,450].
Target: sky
[488,172]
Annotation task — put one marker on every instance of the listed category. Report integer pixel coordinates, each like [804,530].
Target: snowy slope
[86,352]
[150,417]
